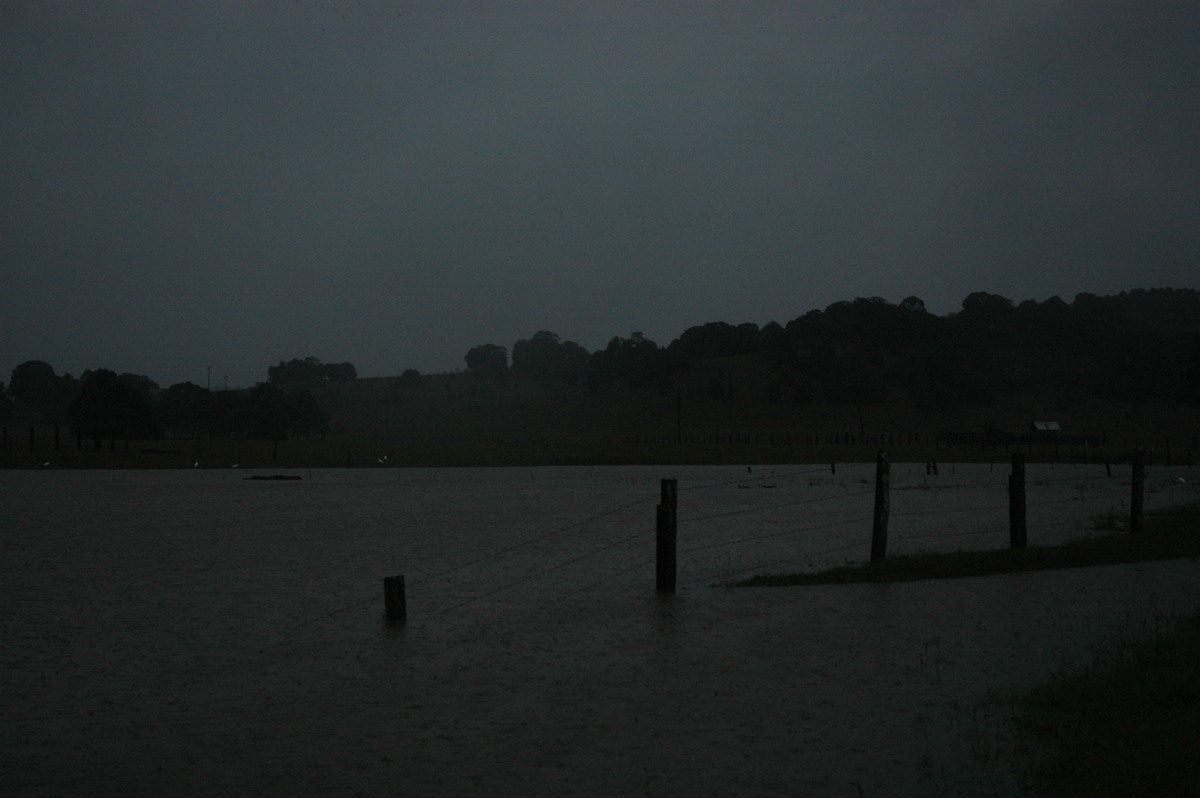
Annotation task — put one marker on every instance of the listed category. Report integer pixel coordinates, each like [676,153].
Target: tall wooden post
[1139,491]
[395,603]
[665,559]
[1017,534]
[880,525]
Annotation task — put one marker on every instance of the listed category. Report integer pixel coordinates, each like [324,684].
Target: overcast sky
[229,183]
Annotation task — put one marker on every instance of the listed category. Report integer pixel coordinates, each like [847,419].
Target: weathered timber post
[880,524]
[665,559]
[394,602]
[1138,492]
[1017,535]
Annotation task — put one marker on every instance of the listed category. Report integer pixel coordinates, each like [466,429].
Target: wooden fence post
[665,559]
[1017,536]
[395,603]
[1138,491]
[880,524]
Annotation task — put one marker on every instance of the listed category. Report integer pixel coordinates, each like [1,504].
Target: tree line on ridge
[1136,346]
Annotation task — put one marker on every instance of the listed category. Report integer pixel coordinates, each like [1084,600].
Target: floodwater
[196,633]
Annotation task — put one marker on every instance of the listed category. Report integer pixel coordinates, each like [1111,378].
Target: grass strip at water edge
[1168,534]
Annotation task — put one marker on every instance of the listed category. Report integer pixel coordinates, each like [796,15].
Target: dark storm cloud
[232,184]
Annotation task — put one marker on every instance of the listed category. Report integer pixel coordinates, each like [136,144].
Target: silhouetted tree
[548,357]
[636,360]
[186,408]
[409,377]
[716,339]
[983,305]
[35,386]
[112,405]
[487,360]
[310,370]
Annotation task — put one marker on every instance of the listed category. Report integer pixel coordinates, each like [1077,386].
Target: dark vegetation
[104,405]
[1130,725]
[1169,534]
[864,372]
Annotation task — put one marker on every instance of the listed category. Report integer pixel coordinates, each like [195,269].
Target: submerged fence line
[741,480]
[752,510]
[638,535]
[557,531]
[1112,489]
[496,555]
[1090,493]
[642,561]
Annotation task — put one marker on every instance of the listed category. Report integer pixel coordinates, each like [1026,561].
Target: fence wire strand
[1098,489]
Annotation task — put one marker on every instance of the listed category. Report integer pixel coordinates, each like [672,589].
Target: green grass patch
[1168,534]
[1125,728]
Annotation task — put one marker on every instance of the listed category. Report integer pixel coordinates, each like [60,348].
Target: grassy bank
[1129,726]
[1169,534]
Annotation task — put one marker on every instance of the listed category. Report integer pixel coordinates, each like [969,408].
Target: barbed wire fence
[808,519]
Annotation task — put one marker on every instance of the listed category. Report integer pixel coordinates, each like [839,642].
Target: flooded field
[197,633]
